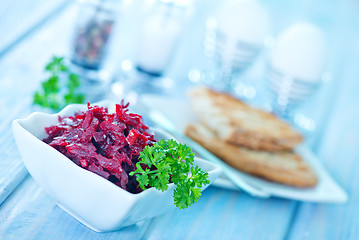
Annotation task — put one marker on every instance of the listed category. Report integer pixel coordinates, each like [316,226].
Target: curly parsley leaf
[49,96]
[169,161]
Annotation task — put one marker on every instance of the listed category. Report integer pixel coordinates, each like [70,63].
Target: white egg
[244,20]
[300,52]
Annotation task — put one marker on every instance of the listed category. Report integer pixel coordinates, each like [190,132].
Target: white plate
[327,190]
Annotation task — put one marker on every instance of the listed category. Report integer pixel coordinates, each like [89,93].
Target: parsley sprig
[168,161]
[50,96]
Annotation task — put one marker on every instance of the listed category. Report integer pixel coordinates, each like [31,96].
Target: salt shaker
[92,33]
[159,37]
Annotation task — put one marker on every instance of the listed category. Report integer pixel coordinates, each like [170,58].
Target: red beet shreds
[107,144]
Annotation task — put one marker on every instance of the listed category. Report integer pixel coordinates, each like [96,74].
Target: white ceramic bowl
[91,199]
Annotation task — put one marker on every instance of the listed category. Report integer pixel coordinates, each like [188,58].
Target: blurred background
[298,59]
[293,58]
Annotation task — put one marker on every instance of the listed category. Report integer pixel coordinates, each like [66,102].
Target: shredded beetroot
[107,144]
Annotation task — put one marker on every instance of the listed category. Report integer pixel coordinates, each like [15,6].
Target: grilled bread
[284,167]
[235,122]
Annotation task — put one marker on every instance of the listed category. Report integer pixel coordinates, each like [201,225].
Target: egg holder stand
[286,94]
[226,58]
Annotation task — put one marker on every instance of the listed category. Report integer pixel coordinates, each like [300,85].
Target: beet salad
[107,144]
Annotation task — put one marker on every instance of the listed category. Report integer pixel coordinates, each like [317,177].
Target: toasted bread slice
[284,167]
[237,123]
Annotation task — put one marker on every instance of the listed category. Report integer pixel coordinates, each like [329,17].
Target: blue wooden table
[33,31]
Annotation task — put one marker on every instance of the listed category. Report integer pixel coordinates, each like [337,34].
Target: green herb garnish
[171,162]
[50,96]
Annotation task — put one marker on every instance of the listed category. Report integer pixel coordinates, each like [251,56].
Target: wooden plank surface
[19,18]
[224,214]
[29,213]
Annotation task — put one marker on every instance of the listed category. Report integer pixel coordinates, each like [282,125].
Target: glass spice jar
[92,33]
